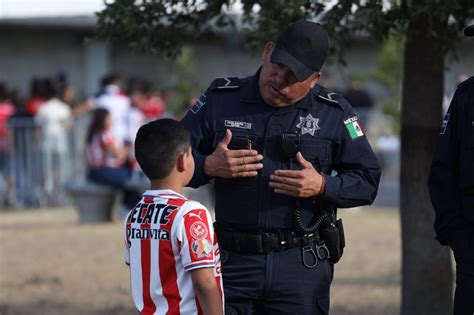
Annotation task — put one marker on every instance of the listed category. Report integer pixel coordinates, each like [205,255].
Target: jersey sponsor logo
[444,126]
[147,233]
[202,248]
[198,230]
[238,124]
[353,127]
[308,125]
[147,213]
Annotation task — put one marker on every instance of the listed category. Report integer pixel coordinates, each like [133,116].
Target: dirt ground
[50,264]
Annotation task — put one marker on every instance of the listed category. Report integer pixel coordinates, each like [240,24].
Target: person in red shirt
[38,89]
[6,111]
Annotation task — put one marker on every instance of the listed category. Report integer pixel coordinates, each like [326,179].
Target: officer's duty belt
[261,242]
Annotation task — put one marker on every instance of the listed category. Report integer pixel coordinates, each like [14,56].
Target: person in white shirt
[117,102]
[54,119]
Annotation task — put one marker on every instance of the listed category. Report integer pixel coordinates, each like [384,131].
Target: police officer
[451,186]
[284,152]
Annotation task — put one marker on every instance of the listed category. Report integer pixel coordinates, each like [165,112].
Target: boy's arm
[195,235]
[206,290]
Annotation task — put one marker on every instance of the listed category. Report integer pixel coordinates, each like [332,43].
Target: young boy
[170,243]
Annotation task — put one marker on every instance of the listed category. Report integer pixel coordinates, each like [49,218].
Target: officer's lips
[276,92]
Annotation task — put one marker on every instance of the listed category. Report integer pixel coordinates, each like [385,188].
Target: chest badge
[308,124]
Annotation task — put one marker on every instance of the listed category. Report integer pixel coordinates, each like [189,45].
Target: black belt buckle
[269,242]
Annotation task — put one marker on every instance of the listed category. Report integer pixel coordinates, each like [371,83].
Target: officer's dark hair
[158,145]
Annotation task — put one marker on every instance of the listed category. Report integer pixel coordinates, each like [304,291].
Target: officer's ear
[267,50]
[314,78]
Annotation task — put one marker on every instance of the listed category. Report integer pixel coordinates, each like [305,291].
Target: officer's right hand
[227,163]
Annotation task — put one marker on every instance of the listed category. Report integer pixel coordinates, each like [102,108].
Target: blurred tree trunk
[427,278]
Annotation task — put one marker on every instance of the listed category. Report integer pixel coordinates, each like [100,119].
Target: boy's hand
[227,163]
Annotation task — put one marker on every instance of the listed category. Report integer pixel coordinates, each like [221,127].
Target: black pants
[462,244]
[276,283]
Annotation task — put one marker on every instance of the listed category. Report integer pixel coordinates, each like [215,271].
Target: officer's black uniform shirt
[451,180]
[324,121]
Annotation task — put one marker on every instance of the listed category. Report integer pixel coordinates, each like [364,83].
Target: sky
[49,8]
[40,8]
[45,8]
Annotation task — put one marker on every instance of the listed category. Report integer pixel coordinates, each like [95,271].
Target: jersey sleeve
[196,236]
[358,172]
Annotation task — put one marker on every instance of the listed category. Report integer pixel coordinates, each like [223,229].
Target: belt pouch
[333,237]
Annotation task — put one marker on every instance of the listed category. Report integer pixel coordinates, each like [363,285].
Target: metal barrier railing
[35,171]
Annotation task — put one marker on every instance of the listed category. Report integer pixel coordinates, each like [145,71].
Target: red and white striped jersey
[166,236]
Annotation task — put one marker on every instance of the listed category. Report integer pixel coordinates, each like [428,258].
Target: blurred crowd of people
[42,123]
[98,130]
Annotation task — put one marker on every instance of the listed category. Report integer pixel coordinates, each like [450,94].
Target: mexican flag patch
[353,127]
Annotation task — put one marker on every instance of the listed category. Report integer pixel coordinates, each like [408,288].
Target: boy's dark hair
[158,145]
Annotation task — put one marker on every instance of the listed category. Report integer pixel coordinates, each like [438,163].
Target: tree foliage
[388,73]
[182,81]
[163,26]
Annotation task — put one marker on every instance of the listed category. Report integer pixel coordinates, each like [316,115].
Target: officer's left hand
[303,183]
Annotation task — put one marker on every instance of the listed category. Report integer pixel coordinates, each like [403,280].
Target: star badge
[308,124]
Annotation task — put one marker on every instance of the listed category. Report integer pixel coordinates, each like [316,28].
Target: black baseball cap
[303,47]
[469,31]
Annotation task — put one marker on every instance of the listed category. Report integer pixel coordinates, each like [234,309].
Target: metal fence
[33,174]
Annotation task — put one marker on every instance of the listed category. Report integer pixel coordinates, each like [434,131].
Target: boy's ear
[181,162]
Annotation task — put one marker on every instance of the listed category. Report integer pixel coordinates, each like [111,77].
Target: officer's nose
[284,76]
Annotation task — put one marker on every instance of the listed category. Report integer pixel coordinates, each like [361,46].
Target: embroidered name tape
[238,124]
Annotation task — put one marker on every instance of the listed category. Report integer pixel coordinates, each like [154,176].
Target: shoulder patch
[229,83]
[445,124]
[353,127]
[328,96]
[199,103]
[226,83]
